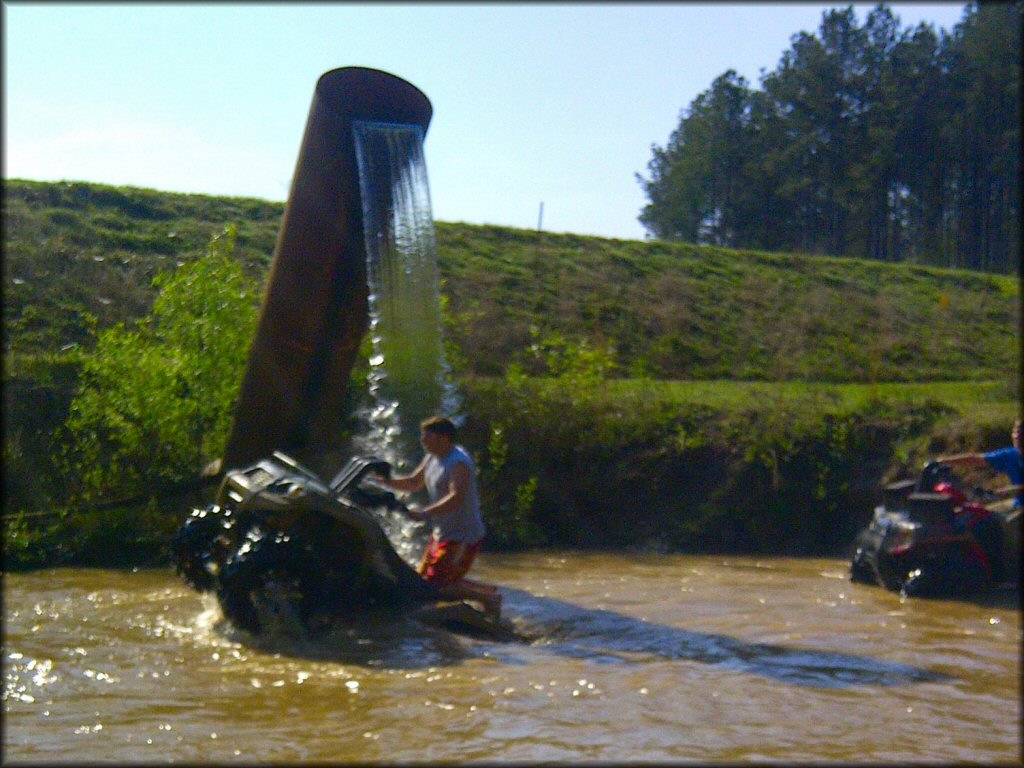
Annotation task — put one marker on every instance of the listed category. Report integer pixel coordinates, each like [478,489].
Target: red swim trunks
[447,561]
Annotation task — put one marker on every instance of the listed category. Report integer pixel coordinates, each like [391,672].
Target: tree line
[870,141]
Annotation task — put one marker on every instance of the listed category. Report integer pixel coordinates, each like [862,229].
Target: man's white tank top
[464,524]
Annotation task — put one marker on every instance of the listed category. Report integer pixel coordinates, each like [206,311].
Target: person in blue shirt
[1008,461]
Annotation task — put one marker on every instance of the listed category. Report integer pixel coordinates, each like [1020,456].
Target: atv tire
[193,546]
[267,577]
[925,583]
[950,577]
[861,570]
[989,535]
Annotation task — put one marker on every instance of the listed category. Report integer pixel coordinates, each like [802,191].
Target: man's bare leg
[485,594]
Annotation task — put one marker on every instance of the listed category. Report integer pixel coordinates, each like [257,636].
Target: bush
[157,400]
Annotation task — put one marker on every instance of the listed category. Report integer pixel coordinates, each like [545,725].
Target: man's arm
[410,483]
[964,460]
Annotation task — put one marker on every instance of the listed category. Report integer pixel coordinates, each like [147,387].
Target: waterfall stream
[408,376]
[408,379]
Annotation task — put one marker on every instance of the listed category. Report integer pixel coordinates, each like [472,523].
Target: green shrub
[157,400]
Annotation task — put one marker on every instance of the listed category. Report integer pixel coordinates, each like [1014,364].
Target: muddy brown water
[629,658]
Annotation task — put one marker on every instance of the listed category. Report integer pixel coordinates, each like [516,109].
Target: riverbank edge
[742,469]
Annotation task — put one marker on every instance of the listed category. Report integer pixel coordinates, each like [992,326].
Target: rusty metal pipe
[315,307]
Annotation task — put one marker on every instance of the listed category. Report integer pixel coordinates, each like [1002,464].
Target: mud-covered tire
[194,546]
[891,572]
[950,577]
[923,582]
[861,570]
[989,535]
[267,570]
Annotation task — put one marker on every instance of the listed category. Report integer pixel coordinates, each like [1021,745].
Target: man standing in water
[449,476]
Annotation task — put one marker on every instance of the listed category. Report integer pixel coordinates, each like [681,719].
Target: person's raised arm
[964,460]
[410,483]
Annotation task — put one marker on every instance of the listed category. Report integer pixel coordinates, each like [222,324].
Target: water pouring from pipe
[315,311]
[408,377]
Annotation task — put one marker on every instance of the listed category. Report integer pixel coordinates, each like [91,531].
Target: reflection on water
[386,638]
[627,658]
[382,639]
[609,637]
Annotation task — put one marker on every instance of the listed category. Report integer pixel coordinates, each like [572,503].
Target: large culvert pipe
[315,307]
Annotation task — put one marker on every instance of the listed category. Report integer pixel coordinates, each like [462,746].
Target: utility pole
[539,260]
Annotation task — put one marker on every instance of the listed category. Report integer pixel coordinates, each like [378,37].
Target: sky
[544,113]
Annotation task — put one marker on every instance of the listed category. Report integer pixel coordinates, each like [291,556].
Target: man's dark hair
[439,425]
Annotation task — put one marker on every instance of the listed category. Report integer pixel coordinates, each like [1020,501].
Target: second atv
[928,539]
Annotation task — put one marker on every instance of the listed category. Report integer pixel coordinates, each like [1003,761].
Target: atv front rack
[275,482]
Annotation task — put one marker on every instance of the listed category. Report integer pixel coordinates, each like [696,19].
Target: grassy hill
[678,311]
[738,382]
[669,311]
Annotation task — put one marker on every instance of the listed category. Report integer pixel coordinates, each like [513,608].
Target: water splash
[409,379]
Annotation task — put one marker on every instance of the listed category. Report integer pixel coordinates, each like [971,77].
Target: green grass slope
[76,251]
[678,311]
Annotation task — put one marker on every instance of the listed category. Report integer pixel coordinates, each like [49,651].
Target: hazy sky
[533,102]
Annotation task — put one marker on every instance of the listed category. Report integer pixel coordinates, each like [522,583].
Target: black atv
[927,539]
[279,540]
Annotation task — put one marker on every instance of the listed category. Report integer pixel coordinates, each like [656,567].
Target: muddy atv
[279,539]
[928,539]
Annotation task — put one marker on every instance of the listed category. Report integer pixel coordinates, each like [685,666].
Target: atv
[279,542]
[928,539]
